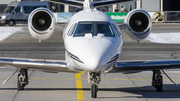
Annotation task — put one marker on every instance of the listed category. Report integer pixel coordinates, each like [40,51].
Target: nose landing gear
[94,79]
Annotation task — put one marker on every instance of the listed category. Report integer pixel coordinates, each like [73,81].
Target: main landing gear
[94,79]
[157,80]
[22,80]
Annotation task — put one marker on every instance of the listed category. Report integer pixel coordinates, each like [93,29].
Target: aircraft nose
[96,60]
[95,53]
[93,64]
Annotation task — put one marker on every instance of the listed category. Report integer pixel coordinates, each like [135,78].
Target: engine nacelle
[41,23]
[138,24]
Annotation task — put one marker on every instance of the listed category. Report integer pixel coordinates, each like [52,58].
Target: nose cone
[93,63]
[95,60]
[96,53]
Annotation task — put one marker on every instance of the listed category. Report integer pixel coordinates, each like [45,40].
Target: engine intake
[138,24]
[41,23]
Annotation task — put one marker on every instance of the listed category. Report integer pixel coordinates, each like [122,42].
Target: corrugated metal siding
[151,5]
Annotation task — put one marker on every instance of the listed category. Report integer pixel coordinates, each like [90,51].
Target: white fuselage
[91,52]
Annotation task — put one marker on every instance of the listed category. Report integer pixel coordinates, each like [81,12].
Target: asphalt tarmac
[63,86]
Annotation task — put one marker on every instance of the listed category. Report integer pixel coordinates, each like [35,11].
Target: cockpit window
[104,28]
[94,28]
[72,29]
[116,31]
[84,28]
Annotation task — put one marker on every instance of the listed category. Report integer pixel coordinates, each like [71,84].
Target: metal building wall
[151,5]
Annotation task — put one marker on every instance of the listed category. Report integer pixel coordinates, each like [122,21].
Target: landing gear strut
[157,80]
[22,80]
[94,79]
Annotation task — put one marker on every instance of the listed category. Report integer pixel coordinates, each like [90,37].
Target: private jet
[93,42]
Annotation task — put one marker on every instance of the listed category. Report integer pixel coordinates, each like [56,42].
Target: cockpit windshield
[84,28]
[94,28]
[104,28]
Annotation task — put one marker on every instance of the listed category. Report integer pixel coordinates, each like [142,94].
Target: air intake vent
[113,59]
[74,57]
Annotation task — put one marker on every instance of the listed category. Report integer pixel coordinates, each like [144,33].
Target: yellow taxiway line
[80,94]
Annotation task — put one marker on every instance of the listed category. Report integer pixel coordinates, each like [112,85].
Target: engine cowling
[41,23]
[138,24]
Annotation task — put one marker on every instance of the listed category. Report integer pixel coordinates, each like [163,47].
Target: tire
[160,87]
[11,23]
[93,91]
[19,86]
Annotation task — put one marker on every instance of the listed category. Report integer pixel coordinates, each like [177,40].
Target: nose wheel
[94,79]
[94,90]
[22,80]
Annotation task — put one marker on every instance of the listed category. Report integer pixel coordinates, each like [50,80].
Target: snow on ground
[5,32]
[167,38]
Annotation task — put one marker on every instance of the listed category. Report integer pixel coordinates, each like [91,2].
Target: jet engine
[138,24]
[41,23]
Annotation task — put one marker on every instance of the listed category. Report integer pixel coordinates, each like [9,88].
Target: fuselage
[93,41]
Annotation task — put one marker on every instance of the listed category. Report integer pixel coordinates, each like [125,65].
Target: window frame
[114,35]
[94,27]
[116,30]
[77,24]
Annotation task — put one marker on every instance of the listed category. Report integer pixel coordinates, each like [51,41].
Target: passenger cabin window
[104,28]
[29,9]
[84,28]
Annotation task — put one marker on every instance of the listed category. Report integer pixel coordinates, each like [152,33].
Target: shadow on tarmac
[170,91]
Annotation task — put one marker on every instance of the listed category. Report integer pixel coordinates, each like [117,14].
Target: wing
[137,66]
[107,3]
[60,26]
[94,4]
[122,26]
[44,65]
[78,4]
